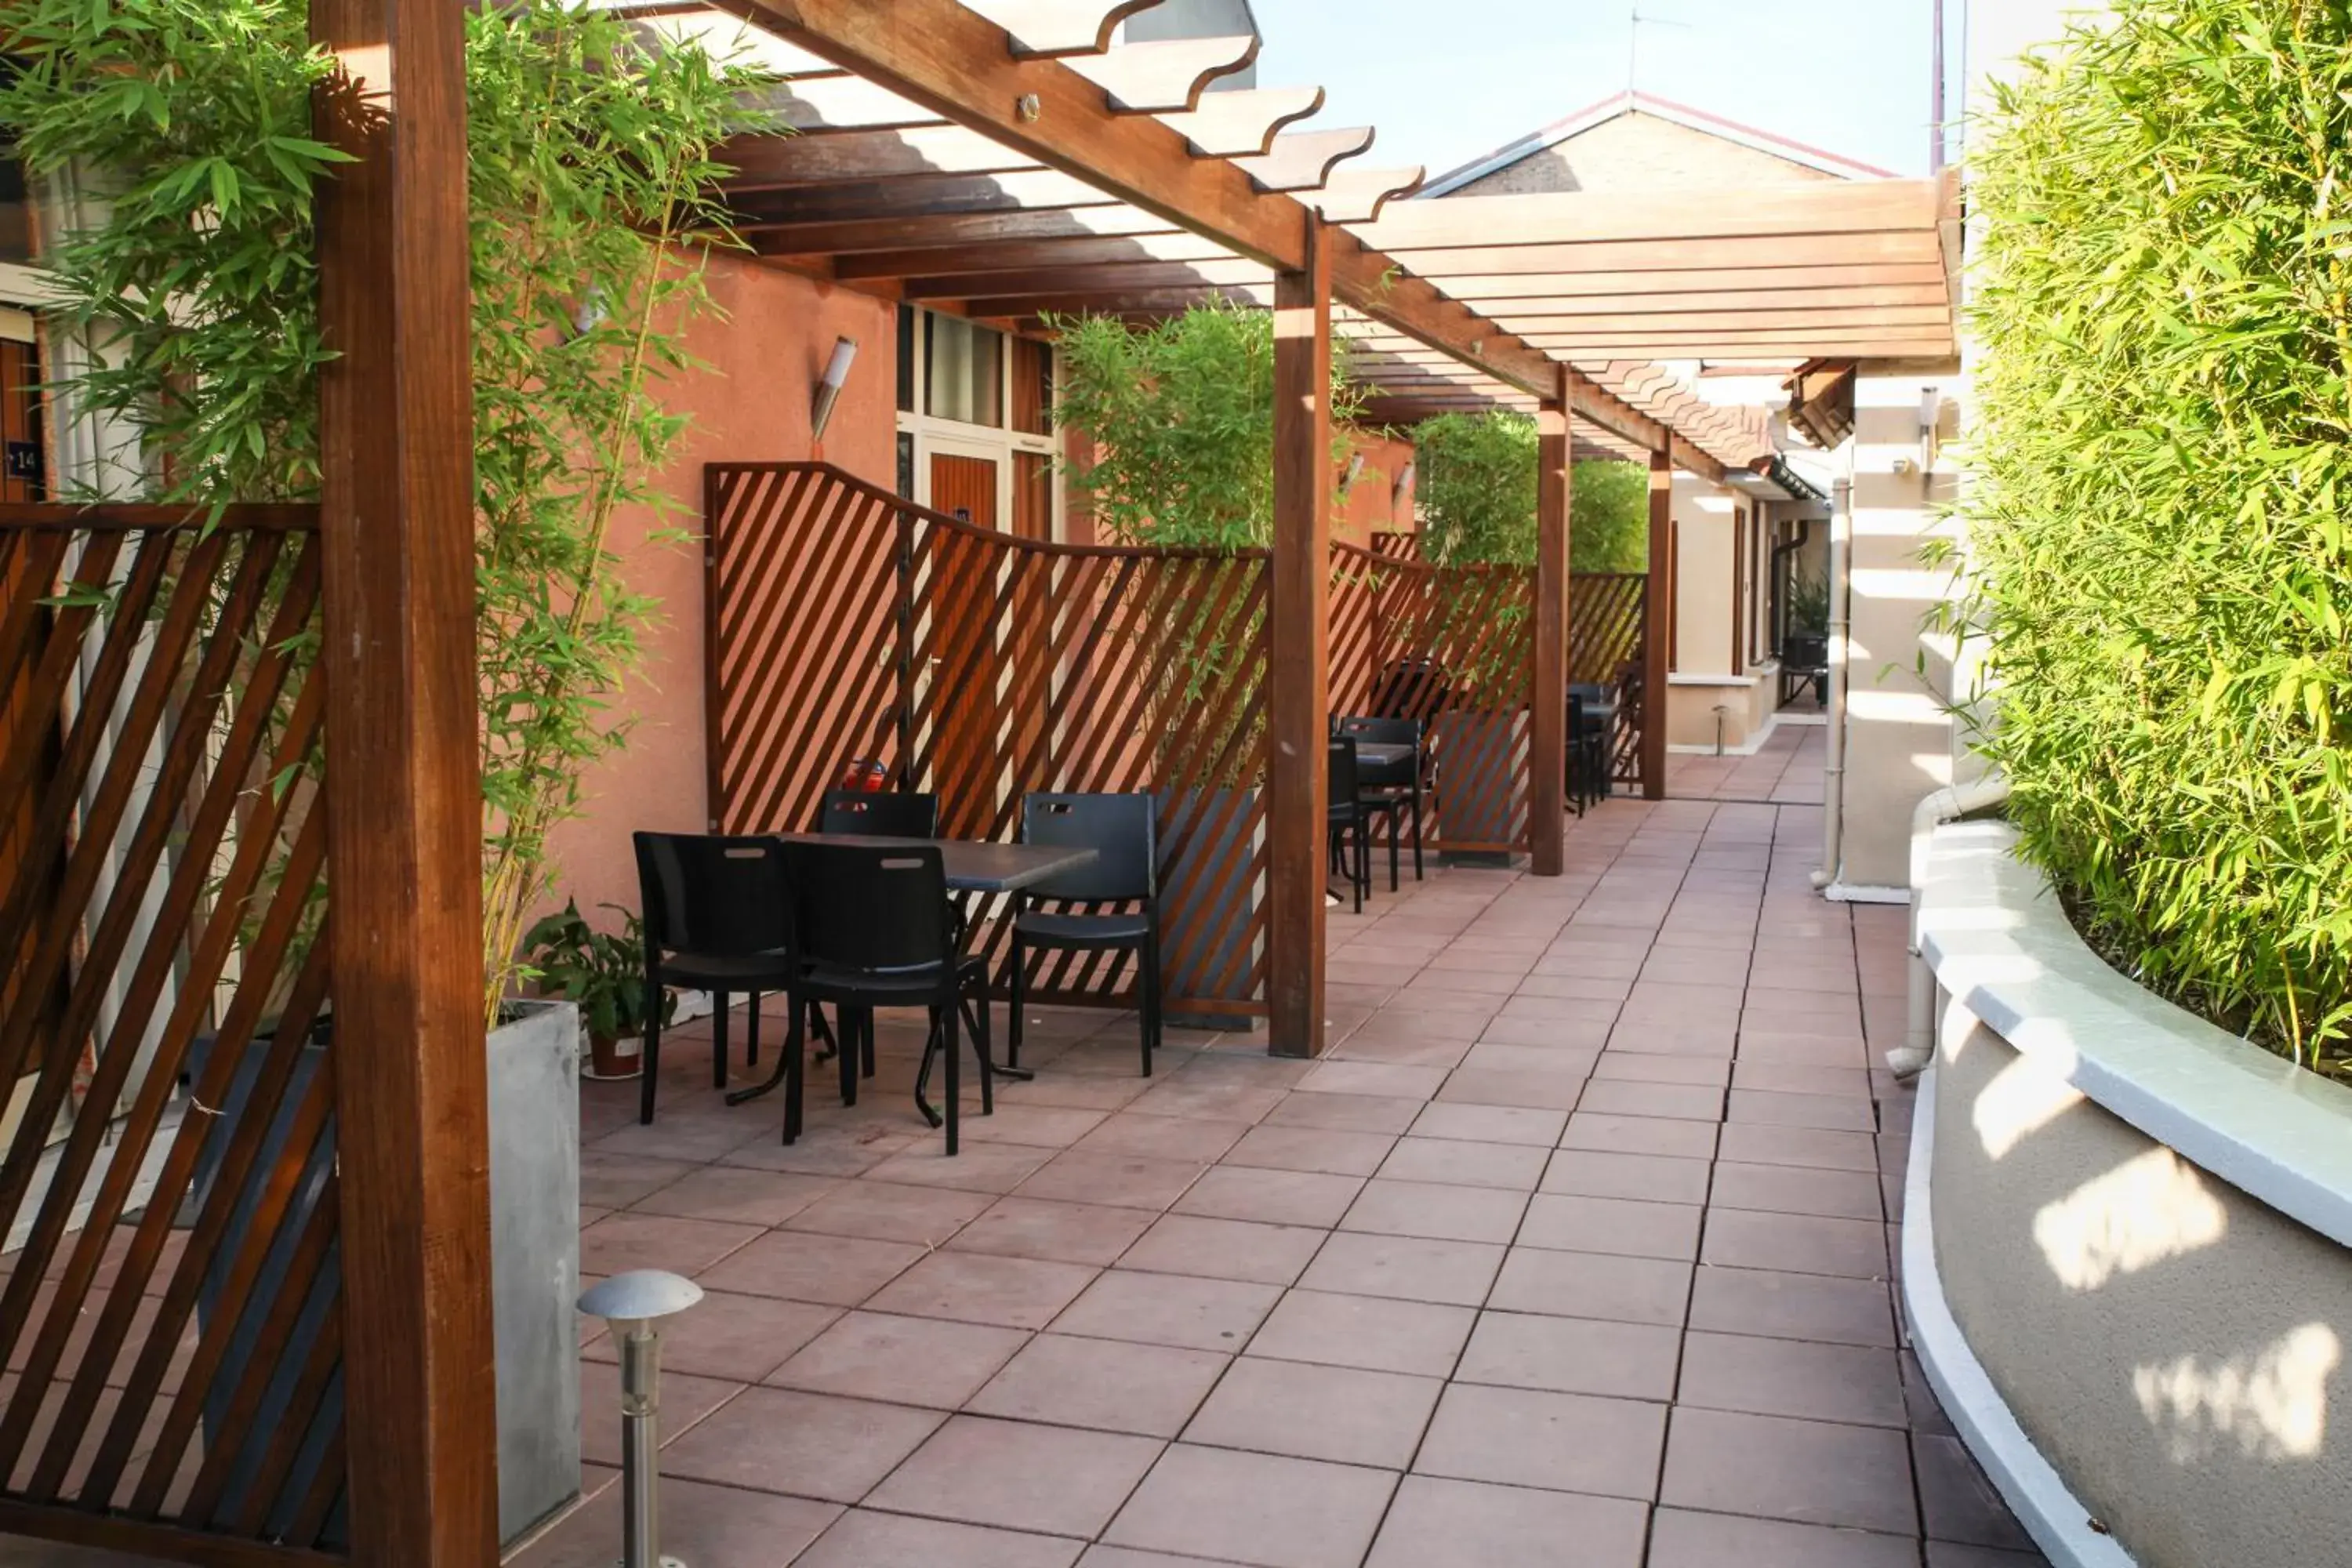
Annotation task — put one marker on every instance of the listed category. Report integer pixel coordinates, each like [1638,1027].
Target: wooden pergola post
[1658,612]
[403,794]
[1299,702]
[1549,740]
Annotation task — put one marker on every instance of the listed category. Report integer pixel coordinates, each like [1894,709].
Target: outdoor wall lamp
[829,385]
[635,1305]
[1355,470]
[1404,482]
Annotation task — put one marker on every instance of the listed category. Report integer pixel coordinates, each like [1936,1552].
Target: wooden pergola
[1004,157]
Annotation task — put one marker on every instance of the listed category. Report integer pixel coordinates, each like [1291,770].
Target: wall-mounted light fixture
[1403,481]
[1931,428]
[590,314]
[1355,470]
[829,385]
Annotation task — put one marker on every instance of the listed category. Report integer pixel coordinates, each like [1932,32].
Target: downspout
[1833,764]
[1948,804]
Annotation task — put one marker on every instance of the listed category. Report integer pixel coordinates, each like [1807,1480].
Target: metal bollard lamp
[635,1304]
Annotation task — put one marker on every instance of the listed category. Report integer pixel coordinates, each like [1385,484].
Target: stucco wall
[2174,1348]
[1637,151]
[752,405]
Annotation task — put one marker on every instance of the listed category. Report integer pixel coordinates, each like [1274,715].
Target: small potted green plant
[604,974]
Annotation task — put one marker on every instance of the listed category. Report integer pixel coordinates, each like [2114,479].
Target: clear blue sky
[1445,80]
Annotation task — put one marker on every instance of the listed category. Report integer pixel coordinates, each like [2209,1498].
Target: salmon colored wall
[1371,503]
[765,354]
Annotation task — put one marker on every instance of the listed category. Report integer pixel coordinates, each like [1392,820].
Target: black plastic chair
[1345,817]
[877,930]
[901,815]
[904,814]
[1389,792]
[719,914]
[1121,831]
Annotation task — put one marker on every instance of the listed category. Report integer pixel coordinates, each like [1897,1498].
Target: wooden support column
[403,793]
[1658,621]
[1548,741]
[1299,703]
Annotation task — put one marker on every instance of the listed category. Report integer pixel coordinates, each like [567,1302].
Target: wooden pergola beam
[783,236]
[950,60]
[1821,210]
[946,267]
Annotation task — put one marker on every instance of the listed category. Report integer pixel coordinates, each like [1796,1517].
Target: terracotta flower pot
[611,1058]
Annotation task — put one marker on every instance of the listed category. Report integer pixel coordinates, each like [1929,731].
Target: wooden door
[965,650]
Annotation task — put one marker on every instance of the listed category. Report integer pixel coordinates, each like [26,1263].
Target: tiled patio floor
[1575,1250]
[1786,770]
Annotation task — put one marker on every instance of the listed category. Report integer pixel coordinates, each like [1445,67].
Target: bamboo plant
[591,161]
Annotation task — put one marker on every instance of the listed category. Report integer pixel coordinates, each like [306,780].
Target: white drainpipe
[1834,764]
[1947,804]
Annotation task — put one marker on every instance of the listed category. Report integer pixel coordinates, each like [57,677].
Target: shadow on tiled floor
[1576,1248]
[1786,770]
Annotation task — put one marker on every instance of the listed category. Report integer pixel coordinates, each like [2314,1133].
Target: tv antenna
[1636,20]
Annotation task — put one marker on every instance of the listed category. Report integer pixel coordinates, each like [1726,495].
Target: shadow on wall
[2172,1346]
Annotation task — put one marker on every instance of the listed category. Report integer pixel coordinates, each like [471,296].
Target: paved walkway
[1785,771]
[1575,1250]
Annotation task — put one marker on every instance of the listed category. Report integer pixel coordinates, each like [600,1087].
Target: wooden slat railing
[1606,616]
[170,1289]
[844,623]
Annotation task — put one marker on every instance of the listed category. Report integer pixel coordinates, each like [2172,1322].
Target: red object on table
[864,775]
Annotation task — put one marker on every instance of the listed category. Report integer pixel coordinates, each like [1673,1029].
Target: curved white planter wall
[2126,1265]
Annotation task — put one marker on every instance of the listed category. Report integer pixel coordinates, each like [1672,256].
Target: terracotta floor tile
[1490,1124]
[1571,1355]
[1687,1102]
[1593,1285]
[979,1168]
[1520,1090]
[737,1194]
[1169,1310]
[1544,1060]
[1319,1149]
[1784,1078]
[1344,1112]
[1757,1144]
[1836,1112]
[1039,1126]
[1196,1142]
[1053,1480]
[1798,1189]
[1426,1052]
[615,1181]
[1635,1230]
[1951,1554]
[1271,1197]
[847,1150]
[1106,1384]
[1611,1134]
[709,1524]
[1808,1472]
[1783,1305]
[832,1270]
[862,1538]
[901,1361]
[621,1242]
[1644,1067]
[1438,1523]
[1684,1540]
[1378,1078]
[884,1211]
[1021,1227]
[1407,1269]
[1544,1025]
[1344,1415]
[1562,1442]
[1437,1212]
[1225,1249]
[974,1288]
[1209,1099]
[1125,1181]
[740,1338]
[1082,1093]
[1653,1178]
[1851,1384]
[1800,1244]
[1255,1509]
[1379,1335]
[808,1445]
[1961,1505]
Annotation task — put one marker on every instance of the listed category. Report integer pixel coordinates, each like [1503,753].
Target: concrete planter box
[2125,1255]
[533,1064]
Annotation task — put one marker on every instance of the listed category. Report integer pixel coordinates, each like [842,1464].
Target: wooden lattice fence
[172,1295]
[845,623]
[1606,618]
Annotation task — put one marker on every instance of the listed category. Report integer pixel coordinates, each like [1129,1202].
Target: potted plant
[1477,492]
[602,974]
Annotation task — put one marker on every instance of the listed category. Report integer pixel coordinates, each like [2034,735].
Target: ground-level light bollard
[635,1304]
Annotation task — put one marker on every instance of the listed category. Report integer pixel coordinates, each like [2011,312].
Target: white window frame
[954,438]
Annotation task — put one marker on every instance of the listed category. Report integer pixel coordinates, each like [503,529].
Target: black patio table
[971,866]
[1382,757]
